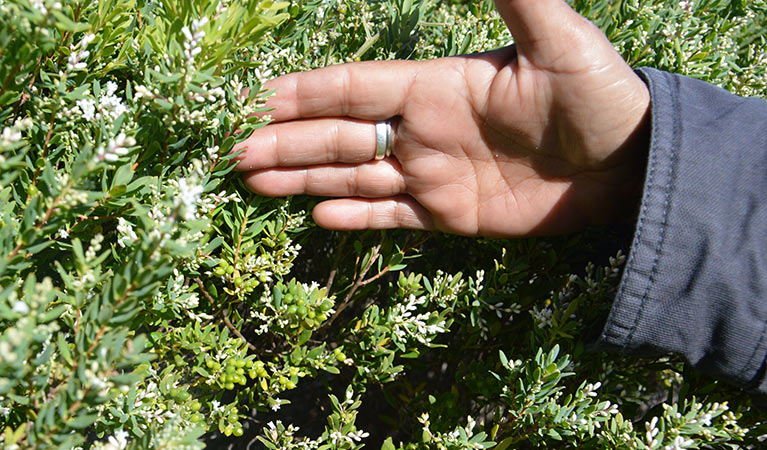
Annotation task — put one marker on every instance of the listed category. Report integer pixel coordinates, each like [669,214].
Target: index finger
[371,90]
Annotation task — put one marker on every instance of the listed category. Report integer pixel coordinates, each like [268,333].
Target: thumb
[548,33]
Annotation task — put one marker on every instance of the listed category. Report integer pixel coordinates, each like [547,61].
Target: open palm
[541,137]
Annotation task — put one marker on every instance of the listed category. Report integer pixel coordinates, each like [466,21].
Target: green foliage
[148,300]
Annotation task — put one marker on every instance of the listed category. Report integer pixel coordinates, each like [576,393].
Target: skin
[546,136]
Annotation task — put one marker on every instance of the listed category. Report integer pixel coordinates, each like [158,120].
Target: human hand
[545,136]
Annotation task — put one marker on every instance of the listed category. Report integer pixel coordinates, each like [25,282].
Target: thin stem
[357,284]
[336,262]
[48,136]
[386,269]
[225,315]
[367,44]
[39,226]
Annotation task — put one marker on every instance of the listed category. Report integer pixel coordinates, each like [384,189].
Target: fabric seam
[630,265]
[666,207]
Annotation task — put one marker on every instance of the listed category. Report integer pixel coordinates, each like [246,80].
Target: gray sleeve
[695,282]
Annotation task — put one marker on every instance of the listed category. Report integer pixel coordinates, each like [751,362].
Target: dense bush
[148,300]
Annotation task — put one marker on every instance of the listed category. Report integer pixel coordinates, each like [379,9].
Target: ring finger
[308,142]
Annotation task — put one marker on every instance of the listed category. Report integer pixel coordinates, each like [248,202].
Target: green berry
[302,311]
[292,310]
[252,373]
[229,386]
[290,385]
[326,305]
[282,380]
[238,281]
[282,237]
[230,270]
[219,271]
[195,405]
[238,431]
[340,357]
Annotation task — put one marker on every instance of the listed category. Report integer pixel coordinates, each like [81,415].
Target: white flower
[127,235]
[188,195]
[589,389]
[141,91]
[21,307]
[119,441]
[542,317]
[110,105]
[78,53]
[62,234]
[87,39]
[193,38]
[679,443]
[116,147]
[23,124]
[95,247]
[10,136]
[87,107]
[40,6]
[120,144]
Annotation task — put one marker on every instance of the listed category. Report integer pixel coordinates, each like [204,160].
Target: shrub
[148,300]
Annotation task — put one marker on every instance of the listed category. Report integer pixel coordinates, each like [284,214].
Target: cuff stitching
[675,133]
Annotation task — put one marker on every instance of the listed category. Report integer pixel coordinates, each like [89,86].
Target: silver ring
[383,139]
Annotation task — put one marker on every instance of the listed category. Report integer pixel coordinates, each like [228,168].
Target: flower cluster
[193,39]
[76,60]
